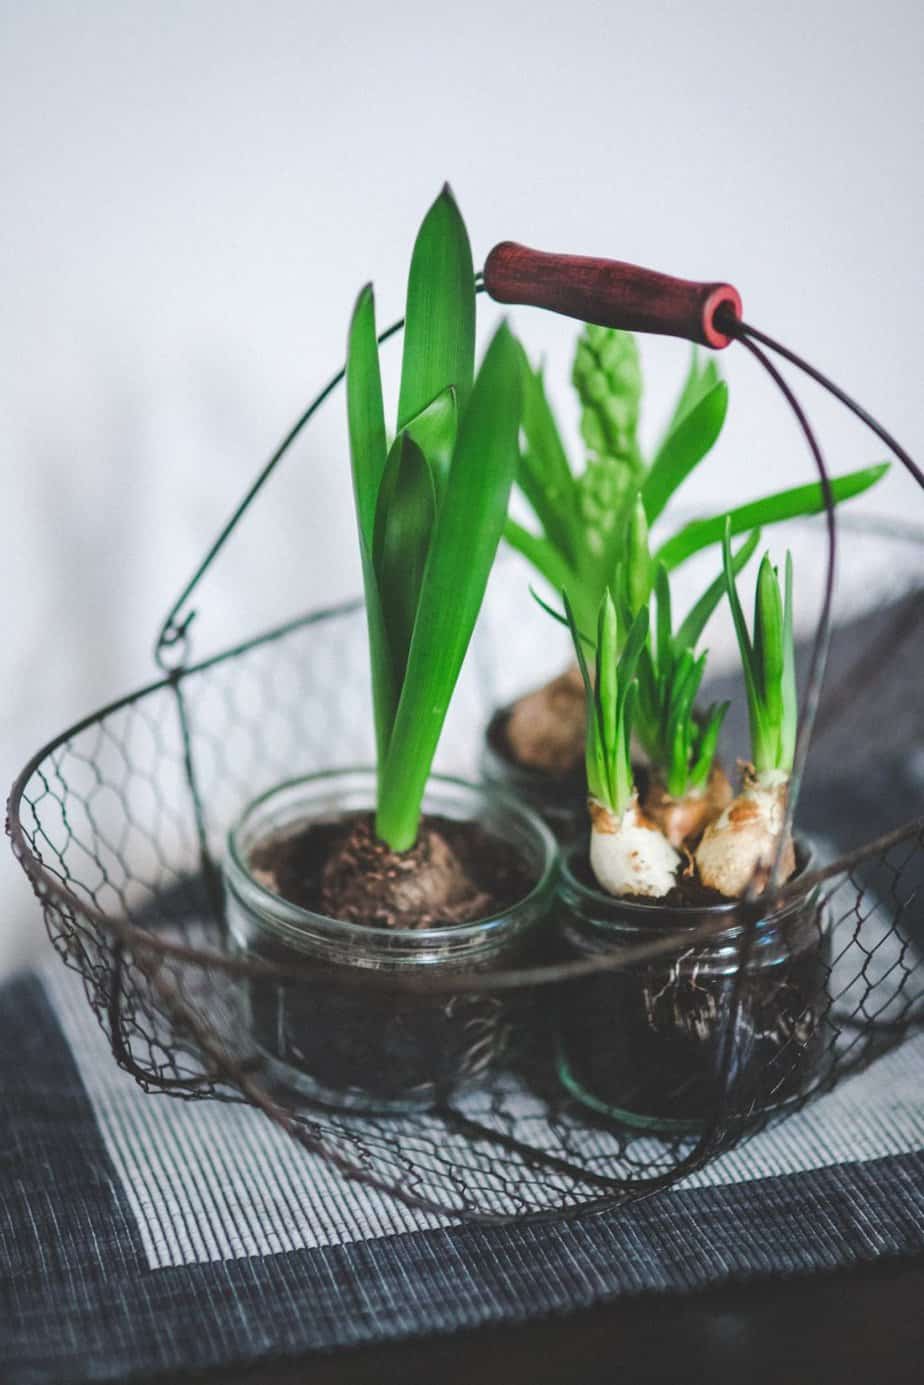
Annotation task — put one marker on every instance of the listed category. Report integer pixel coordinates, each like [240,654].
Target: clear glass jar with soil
[376,1047]
[643,1045]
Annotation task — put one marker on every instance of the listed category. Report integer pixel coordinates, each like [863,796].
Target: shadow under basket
[371,1048]
[739,1014]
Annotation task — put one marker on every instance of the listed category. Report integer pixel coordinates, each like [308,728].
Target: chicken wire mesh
[121,823]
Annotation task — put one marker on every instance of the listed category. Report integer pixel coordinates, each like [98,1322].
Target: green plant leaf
[544,475]
[702,374]
[462,550]
[366,424]
[365,412]
[404,521]
[594,758]
[706,748]
[760,746]
[768,646]
[771,509]
[687,637]
[689,441]
[607,690]
[637,565]
[434,432]
[790,718]
[632,648]
[562,620]
[439,326]
[664,643]
[540,554]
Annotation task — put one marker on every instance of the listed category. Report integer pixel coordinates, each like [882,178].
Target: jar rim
[291,917]
[653,914]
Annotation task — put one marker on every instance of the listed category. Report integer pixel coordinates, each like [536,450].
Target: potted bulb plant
[534,746]
[648,1044]
[396,869]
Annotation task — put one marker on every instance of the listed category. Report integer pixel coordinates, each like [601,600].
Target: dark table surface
[866,1325]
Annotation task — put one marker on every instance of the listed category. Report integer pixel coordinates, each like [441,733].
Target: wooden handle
[610,293]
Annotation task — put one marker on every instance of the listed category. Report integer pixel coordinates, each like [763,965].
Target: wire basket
[120,824]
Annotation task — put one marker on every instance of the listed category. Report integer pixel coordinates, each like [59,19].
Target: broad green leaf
[462,550]
[366,423]
[702,374]
[404,522]
[365,412]
[771,509]
[434,432]
[385,688]
[691,438]
[439,326]
[698,617]
[541,554]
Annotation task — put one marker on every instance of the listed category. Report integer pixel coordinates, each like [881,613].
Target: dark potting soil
[375,1048]
[647,1042]
[456,873]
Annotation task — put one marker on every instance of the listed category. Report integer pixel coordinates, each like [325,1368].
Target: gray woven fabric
[141,1234]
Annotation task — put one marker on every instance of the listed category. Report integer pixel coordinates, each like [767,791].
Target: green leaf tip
[439,332]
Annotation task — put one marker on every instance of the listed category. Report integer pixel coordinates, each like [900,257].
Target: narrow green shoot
[771,509]
[768,663]
[680,740]
[430,510]
[610,698]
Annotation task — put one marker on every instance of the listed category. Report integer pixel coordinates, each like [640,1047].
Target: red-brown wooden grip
[610,293]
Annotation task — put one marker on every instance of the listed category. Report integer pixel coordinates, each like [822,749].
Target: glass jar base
[298,1082]
[665,1125]
[619,1116]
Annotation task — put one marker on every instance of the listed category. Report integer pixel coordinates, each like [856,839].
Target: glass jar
[559,799]
[643,1045]
[372,1047]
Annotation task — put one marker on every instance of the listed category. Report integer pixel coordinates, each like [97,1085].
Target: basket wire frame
[120,824]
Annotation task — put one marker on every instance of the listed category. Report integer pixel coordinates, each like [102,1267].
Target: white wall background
[193,193]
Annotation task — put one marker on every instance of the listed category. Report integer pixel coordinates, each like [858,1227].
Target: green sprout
[679,740]
[431,506]
[611,695]
[582,517]
[769,664]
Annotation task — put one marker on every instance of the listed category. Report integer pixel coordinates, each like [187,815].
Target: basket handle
[612,294]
